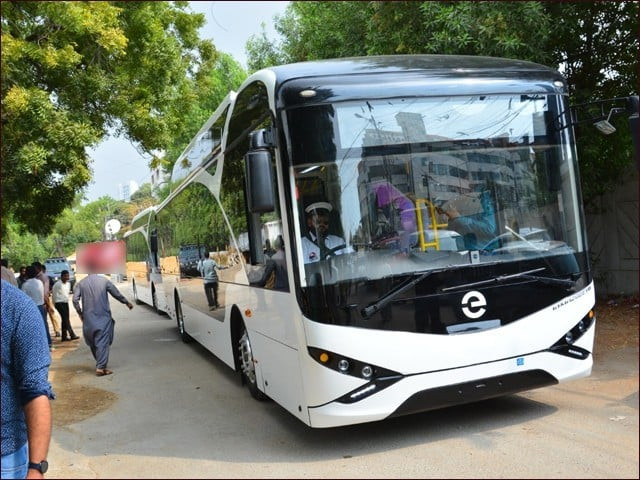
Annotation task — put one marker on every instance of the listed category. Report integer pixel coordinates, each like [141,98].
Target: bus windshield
[388,187]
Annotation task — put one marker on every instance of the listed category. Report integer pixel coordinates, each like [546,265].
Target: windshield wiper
[524,275]
[383,301]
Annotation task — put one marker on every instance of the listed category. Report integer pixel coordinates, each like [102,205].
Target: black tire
[186,338]
[247,365]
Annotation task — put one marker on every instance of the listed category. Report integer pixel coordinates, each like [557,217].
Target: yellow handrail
[434,224]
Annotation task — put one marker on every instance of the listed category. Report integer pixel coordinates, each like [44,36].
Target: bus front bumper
[429,391]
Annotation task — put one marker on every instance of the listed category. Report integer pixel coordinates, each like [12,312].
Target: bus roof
[448,65]
[410,75]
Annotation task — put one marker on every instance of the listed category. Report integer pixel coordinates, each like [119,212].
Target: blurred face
[23,271]
[64,277]
[319,223]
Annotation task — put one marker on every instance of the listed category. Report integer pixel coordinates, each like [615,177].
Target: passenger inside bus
[318,243]
[396,215]
[473,217]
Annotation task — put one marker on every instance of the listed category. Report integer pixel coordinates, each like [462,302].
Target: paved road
[172,410]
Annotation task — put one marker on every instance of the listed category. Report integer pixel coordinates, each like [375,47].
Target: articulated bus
[421,216]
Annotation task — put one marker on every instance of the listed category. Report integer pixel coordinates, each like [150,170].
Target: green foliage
[595,44]
[20,247]
[76,224]
[73,70]
[316,30]
[261,52]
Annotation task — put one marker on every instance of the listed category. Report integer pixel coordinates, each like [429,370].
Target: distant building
[126,190]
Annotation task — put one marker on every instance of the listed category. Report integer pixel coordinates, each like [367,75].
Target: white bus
[459,267]
[141,264]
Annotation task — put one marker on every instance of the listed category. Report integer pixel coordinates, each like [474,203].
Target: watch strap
[42,467]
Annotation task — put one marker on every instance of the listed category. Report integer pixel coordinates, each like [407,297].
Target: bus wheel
[247,365]
[186,338]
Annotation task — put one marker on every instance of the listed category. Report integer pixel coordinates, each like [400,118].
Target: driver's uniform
[311,250]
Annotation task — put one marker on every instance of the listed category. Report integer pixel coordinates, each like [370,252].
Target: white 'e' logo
[473,304]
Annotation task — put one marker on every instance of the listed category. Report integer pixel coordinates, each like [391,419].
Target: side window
[205,147]
[258,235]
[167,248]
[136,248]
[190,227]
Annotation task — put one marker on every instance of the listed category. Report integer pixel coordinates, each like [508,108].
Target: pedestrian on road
[95,313]
[41,274]
[26,391]
[35,290]
[7,273]
[23,276]
[60,295]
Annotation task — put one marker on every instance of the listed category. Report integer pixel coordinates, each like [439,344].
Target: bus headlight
[565,346]
[343,365]
[349,366]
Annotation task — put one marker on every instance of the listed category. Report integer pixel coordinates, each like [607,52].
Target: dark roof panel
[397,63]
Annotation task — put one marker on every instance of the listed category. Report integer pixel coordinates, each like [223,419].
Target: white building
[126,190]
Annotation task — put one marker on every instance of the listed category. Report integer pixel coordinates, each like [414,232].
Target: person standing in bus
[318,242]
[210,277]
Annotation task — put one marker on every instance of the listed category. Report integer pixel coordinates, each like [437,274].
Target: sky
[229,25]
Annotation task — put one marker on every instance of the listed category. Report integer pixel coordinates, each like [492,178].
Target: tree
[71,71]
[595,44]
[316,30]
[261,52]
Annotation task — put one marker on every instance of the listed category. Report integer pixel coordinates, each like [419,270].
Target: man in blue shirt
[210,278]
[26,391]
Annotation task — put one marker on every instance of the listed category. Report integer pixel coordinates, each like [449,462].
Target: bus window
[256,233]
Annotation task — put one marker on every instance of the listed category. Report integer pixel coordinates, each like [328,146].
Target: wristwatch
[42,467]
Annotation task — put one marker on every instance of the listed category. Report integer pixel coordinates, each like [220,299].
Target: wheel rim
[246,358]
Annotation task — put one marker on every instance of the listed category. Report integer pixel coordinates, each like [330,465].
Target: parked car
[55,266]
[189,257]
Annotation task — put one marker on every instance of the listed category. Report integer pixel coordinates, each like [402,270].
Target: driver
[317,244]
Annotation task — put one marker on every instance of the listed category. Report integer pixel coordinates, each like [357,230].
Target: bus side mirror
[259,174]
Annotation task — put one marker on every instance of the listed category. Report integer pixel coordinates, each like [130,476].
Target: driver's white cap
[318,206]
